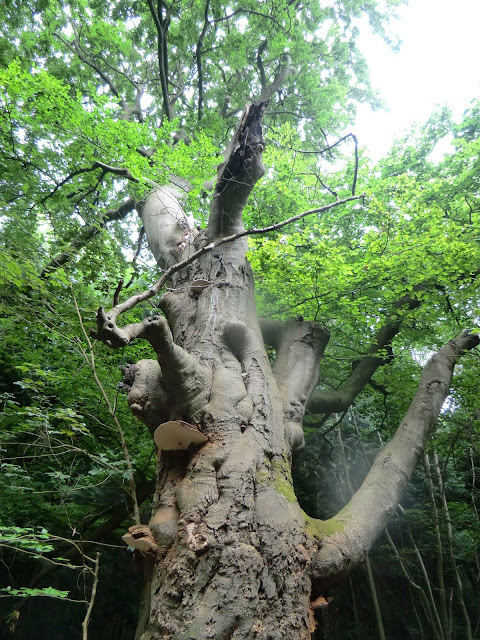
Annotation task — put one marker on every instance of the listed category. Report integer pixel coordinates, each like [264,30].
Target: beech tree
[128,109]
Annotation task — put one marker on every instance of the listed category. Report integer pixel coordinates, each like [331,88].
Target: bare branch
[86,620]
[198,56]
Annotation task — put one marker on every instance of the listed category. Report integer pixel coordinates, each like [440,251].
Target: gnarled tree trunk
[237,558]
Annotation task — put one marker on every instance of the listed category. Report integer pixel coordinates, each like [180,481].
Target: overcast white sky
[438,63]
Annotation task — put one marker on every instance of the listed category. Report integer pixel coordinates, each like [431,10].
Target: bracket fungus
[199,285]
[320,602]
[176,435]
[140,537]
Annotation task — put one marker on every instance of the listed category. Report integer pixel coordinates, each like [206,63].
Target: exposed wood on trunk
[237,176]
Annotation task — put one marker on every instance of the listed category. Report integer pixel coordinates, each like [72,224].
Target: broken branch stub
[237,175]
[168,229]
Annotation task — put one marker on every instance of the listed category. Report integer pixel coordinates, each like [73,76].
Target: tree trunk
[236,557]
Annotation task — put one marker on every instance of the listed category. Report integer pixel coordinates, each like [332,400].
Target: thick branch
[283,71]
[87,233]
[238,175]
[261,68]
[296,368]
[166,226]
[135,108]
[325,401]
[182,376]
[154,329]
[297,361]
[366,515]
[198,56]
[162,58]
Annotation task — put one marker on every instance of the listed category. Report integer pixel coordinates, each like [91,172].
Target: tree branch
[77,49]
[198,56]
[87,233]
[299,349]
[156,288]
[250,12]
[261,68]
[166,226]
[184,381]
[328,402]
[162,59]
[89,60]
[239,173]
[357,525]
[284,69]
[141,235]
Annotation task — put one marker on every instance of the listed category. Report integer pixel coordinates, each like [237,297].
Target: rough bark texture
[234,549]
[237,558]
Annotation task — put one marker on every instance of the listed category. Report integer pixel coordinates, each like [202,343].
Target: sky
[438,63]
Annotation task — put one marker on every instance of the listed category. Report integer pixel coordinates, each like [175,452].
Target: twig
[91,363]
[86,620]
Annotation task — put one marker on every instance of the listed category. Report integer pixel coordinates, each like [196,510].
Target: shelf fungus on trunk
[175,435]
[140,537]
[199,285]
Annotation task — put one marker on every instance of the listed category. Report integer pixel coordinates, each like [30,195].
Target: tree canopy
[101,104]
